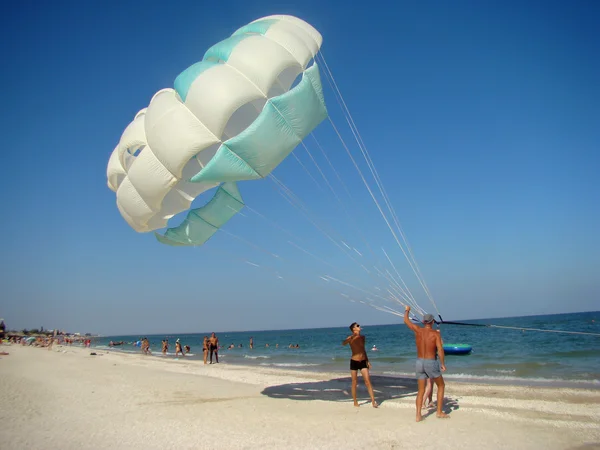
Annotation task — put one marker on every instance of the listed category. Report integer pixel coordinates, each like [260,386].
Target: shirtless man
[359,361]
[428,342]
[428,397]
[213,346]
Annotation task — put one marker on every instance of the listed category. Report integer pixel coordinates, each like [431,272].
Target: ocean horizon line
[171,333]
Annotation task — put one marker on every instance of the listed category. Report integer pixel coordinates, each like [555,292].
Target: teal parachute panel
[185,79]
[258,27]
[221,50]
[201,223]
[284,121]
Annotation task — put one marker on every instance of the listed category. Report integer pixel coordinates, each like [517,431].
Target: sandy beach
[69,399]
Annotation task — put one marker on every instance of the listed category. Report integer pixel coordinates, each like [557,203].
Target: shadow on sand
[339,390]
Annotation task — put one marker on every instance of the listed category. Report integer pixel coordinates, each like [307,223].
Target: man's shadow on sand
[339,390]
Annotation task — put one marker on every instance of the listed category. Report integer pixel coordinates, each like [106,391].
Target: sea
[499,355]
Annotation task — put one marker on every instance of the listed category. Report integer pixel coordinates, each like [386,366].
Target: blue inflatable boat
[457,349]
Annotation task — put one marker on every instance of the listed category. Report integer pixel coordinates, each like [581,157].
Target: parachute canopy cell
[235,115]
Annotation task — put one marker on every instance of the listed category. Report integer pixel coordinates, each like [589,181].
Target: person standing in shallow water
[428,342]
[205,348]
[213,347]
[359,361]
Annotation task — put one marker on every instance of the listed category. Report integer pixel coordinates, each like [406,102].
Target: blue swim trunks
[428,368]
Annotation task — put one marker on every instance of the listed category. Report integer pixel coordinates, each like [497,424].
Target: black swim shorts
[358,365]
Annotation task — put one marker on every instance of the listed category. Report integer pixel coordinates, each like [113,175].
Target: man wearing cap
[428,344]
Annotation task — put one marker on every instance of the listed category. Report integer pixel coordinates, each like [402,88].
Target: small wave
[257,357]
[459,376]
[504,378]
[289,364]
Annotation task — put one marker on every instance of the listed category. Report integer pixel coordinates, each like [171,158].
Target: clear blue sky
[482,118]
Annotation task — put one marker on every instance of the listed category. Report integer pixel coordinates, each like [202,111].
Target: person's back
[426,340]
[429,347]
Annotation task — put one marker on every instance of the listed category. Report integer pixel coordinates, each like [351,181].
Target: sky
[482,120]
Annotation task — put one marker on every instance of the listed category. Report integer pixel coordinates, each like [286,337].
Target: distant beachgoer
[165,346]
[187,349]
[145,346]
[205,348]
[427,366]
[359,361]
[213,343]
[178,348]
[251,342]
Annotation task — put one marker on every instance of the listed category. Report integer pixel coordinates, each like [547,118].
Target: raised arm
[407,321]
[348,340]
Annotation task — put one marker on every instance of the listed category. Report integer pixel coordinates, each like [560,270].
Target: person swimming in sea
[359,361]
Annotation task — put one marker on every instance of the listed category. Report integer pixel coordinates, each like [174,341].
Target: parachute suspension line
[375,200]
[323,175]
[307,171]
[235,257]
[297,203]
[352,199]
[337,175]
[405,290]
[321,172]
[289,233]
[303,166]
[399,296]
[276,272]
[318,258]
[273,223]
[342,205]
[330,278]
[371,166]
[251,244]
[375,174]
[397,290]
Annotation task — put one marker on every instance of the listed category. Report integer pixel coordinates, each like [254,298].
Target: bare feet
[356,404]
[442,415]
[419,418]
[375,405]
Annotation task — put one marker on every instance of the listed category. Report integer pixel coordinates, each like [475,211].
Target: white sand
[67,399]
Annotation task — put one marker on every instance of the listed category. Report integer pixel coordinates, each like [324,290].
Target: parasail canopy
[234,116]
